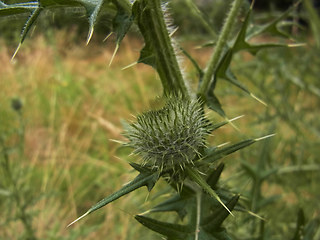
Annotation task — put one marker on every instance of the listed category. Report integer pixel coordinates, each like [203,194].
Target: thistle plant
[170,143]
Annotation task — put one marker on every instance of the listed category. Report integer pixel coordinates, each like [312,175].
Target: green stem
[221,43]
[152,25]
[15,193]
[198,218]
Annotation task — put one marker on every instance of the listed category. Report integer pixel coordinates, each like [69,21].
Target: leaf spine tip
[78,218]
[264,137]
[15,52]
[90,33]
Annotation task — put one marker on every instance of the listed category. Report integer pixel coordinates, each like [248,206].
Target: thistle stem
[208,77]
[152,25]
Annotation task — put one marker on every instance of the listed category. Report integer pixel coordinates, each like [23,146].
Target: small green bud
[169,138]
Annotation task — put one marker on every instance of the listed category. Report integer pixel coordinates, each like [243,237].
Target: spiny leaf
[195,176]
[177,203]
[213,178]
[241,40]
[143,179]
[92,13]
[32,18]
[17,8]
[218,125]
[194,63]
[272,27]
[240,208]
[215,220]
[92,8]
[147,56]
[218,153]
[223,71]
[123,19]
[172,231]
[121,23]
[214,104]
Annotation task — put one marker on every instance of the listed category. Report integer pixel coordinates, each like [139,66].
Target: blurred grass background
[73,105]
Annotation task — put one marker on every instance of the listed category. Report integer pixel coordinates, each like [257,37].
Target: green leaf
[177,203]
[213,178]
[218,153]
[32,18]
[18,8]
[121,22]
[214,104]
[221,235]
[172,231]
[214,127]
[195,176]
[273,26]
[93,8]
[123,19]
[224,72]
[147,56]
[214,221]
[194,63]
[145,178]
[299,233]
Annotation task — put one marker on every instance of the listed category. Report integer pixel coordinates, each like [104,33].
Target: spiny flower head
[171,137]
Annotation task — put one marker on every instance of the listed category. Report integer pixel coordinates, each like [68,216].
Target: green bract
[169,138]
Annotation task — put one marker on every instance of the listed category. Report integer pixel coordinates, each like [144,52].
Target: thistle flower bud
[16,104]
[169,138]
